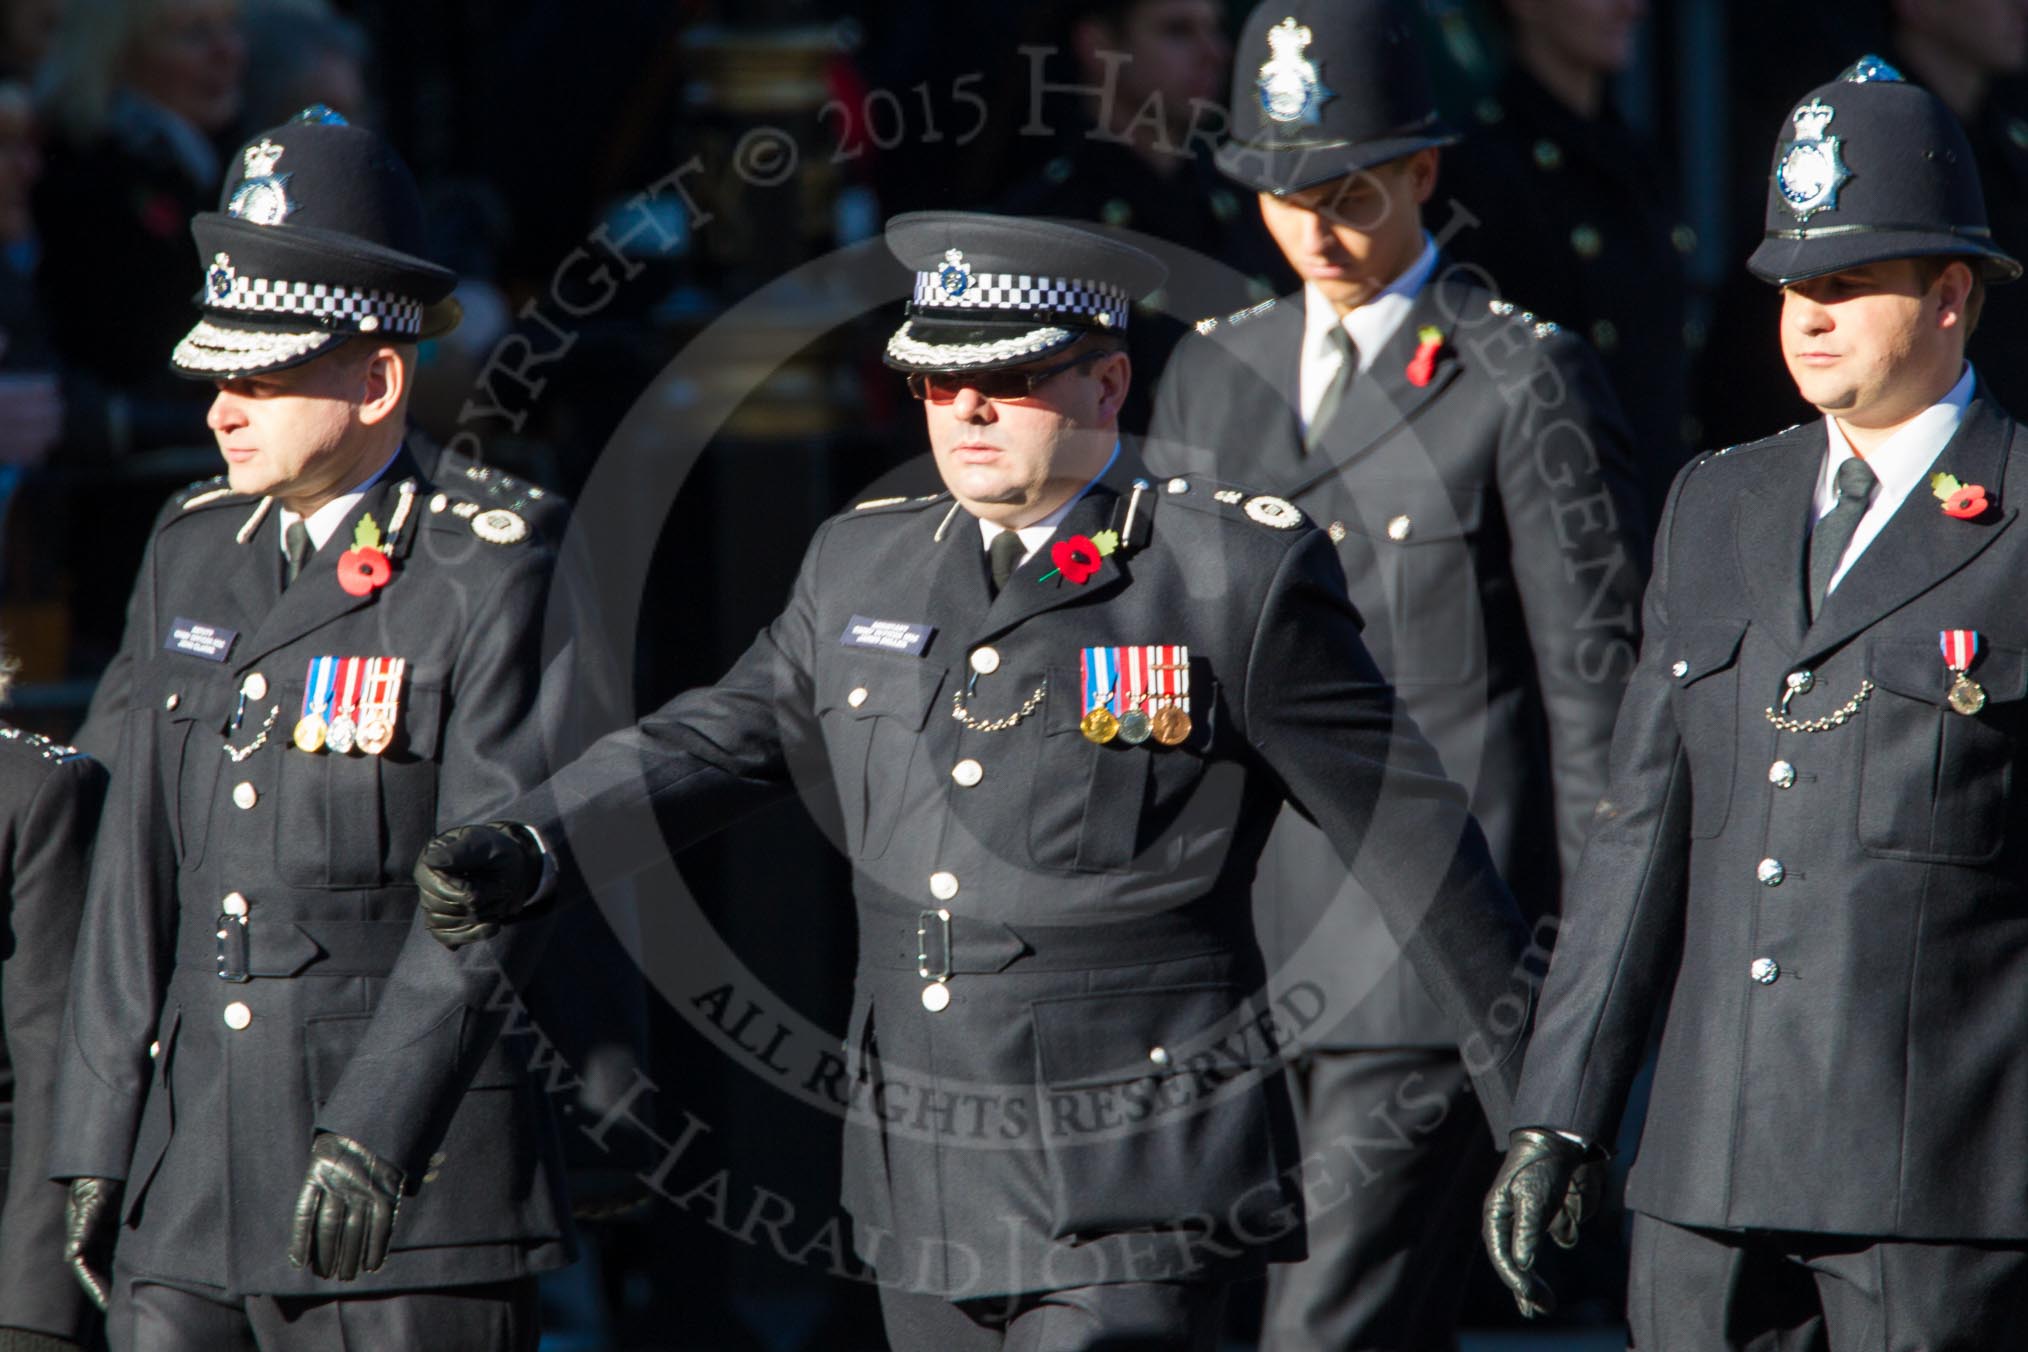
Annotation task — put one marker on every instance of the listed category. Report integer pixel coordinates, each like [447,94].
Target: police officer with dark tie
[49,807]
[284,1116]
[1810,862]
[1057,708]
[1470,467]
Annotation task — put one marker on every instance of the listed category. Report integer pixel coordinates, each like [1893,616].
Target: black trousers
[1126,1317]
[499,1317]
[1728,1291]
[1396,1157]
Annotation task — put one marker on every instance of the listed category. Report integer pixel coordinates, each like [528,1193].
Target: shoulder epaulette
[1538,327]
[1236,317]
[498,486]
[202,492]
[1263,509]
[494,525]
[881,506]
[42,746]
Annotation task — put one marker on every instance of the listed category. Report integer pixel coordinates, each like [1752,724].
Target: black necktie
[1341,381]
[1832,534]
[296,551]
[1004,554]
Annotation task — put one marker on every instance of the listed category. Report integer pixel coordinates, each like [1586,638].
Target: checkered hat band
[1026,294]
[343,304]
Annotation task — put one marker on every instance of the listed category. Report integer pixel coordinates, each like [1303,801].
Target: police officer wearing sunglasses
[1059,705]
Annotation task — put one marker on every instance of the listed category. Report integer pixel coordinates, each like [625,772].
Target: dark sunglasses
[941,387]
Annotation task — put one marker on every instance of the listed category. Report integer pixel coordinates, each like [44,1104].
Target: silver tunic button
[234,903]
[439,502]
[1680,669]
[1771,872]
[967,773]
[936,997]
[1336,530]
[1802,681]
[943,885]
[857,697]
[1765,970]
[154,1050]
[172,701]
[986,660]
[1179,485]
[1159,1055]
[245,795]
[255,686]
[237,1016]
[1781,774]
[1399,528]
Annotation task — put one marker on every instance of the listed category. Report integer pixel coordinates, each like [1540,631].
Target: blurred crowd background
[611,178]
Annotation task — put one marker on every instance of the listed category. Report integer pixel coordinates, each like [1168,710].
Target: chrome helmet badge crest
[1290,88]
[1811,170]
[263,195]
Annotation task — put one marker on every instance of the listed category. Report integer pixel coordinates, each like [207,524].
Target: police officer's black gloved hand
[1548,1182]
[345,1212]
[91,1218]
[475,878]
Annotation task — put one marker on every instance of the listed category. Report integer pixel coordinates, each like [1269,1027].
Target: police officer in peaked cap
[1809,863]
[284,1116]
[1470,466]
[1058,704]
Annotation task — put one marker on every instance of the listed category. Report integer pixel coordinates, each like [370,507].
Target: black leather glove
[91,1220]
[475,878]
[345,1212]
[1548,1182]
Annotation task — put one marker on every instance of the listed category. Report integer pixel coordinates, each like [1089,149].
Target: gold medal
[1099,726]
[1966,696]
[1134,727]
[310,733]
[1170,725]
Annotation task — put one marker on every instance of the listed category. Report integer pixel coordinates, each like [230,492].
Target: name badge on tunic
[889,636]
[209,641]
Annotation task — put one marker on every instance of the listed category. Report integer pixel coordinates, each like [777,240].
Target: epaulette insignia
[876,502]
[500,526]
[1541,328]
[1237,317]
[1272,511]
[48,750]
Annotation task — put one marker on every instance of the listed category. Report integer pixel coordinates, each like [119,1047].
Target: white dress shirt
[1901,463]
[326,519]
[1371,326]
[1036,534]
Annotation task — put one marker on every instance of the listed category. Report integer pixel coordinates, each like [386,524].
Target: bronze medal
[1099,726]
[1171,725]
[1135,727]
[375,736]
[310,733]
[1967,696]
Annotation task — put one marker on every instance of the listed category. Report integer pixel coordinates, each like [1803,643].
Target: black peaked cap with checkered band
[318,238]
[995,291]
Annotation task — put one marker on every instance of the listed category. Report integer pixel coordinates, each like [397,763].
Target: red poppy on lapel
[365,567]
[1963,501]
[1078,557]
[1422,366]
